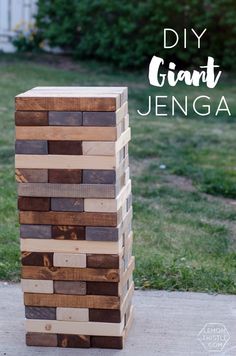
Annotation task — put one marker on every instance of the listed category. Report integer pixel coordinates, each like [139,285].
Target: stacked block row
[75,213]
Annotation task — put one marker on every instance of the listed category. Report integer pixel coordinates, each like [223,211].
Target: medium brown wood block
[34,204]
[41,339]
[65,118]
[31,147]
[65,176]
[101,233]
[100,288]
[65,147]
[95,176]
[66,232]
[31,118]
[73,341]
[40,313]
[70,274]
[31,175]
[107,342]
[67,204]
[105,315]
[70,218]
[93,118]
[102,261]
[37,259]
[72,301]
[68,287]
[35,231]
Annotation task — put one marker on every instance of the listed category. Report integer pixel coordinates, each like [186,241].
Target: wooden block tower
[74,198]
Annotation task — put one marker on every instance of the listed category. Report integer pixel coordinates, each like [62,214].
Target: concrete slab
[166,324]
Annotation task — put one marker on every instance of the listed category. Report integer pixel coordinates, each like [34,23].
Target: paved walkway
[165,324]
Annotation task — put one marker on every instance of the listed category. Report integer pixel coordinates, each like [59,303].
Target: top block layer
[72,99]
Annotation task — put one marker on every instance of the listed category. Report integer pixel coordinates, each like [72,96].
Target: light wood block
[36,286]
[72,314]
[69,260]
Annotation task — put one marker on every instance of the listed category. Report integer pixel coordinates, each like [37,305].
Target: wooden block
[73,341]
[65,176]
[31,175]
[105,315]
[107,342]
[70,218]
[40,313]
[41,339]
[73,314]
[96,176]
[37,259]
[101,233]
[27,147]
[67,204]
[68,287]
[71,246]
[96,118]
[35,231]
[37,286]
[66,232]
[65,162]
[65,118]
[69,260]
[66,133]
[65,147]
[72,301]
[102,261]
[55,190]
[31,118]
[70,274]
[102,288]
[34,204]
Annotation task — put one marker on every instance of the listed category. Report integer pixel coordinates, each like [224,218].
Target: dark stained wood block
[65,147]
[65,232]
[73,176]
[100,288]
[40,313]
[99,176]
[65,118]
[96,118]
[31,175]
[80,341]
[31,147]
[34,204]
[102,261]
[31,118]
[67,204]
[68,287]
[37,259]
[101,233]
[35,231]
[41,339]
[107,342]
[105,315]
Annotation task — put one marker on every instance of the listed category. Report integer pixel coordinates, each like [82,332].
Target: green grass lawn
[184,215]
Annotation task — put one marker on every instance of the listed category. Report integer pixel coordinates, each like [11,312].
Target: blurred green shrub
[129,33]
[28,38]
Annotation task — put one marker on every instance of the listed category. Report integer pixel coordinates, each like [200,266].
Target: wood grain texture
[64,162]
[95,118]
[105,315]
[68,287]
[31,118]
[32,147]
[65,133]
[71,176]
[102,288]
[35,231]
[67,204]
[40,313]
[70,274]
[102,261]
[69,260]
[55,190]
[66,232]
[99,176]
[72,301]
[107,342]
[37,259]
[101,233]
[70,218]
[31,175]
[73,314]
[73,341]
[41,339]
[33,204]
[65,147]
[37,286]
[65,118]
